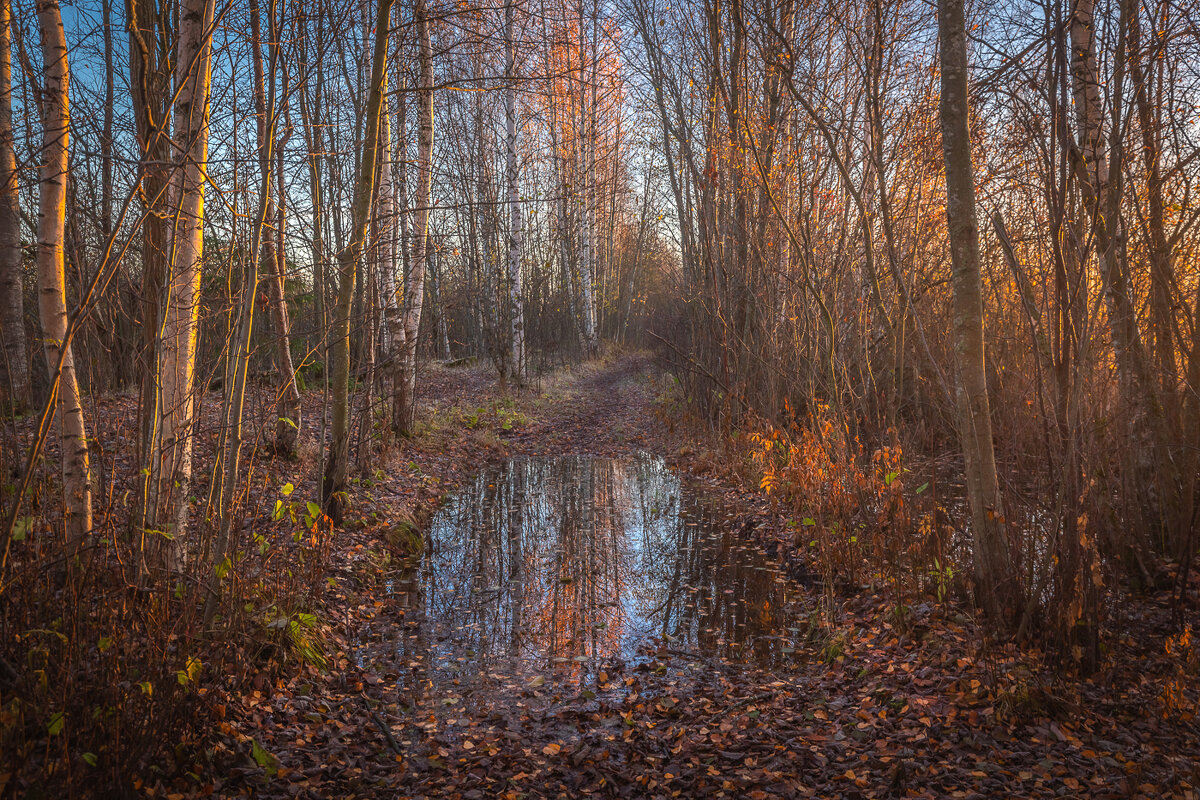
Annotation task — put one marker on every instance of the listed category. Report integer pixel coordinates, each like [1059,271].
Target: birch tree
[333,485]
[993,563]
[170,472]
[52,284]
[515,219]
[387,222]
[414,288]
[585,188]
[12,293]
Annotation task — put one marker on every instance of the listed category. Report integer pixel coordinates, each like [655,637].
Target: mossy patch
[406,538]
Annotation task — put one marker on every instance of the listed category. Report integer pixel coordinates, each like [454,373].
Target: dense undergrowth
[111,688]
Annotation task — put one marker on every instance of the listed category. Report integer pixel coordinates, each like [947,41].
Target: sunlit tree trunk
[414,288]
[993,563]
[12,293]
[52,284]
[333,485]
[515,218]
[171,452]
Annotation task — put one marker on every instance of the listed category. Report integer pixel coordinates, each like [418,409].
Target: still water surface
[570,563]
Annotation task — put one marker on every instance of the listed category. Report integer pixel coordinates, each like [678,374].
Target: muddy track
[863,710]
[605,410]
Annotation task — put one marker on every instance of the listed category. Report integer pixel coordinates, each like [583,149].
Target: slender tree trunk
[287,425]
[171,453]
[240,347]
[149,72]
[106,135]
[1153,472]
[1162,269]
[386,225]
[435,287]
[515,219]
[333,485]
[994,575]
[314,140]
[585,133]
[414,289]
[12,291]
[52,284]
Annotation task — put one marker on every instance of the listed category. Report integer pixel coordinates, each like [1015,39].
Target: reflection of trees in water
[573,560]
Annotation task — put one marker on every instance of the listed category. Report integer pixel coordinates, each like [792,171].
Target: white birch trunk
[584,132]
[414,289]
[52,288]
[171,452]
[12,292]
[515,217]
[386,224]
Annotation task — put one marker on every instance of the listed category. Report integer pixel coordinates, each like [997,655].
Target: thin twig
[387,732]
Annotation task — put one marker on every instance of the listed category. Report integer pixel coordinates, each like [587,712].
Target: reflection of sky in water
[569,562]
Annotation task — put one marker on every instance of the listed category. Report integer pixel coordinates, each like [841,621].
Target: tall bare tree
[151,45]
[12,292]
[414,284]
[287,426]
[333,486]
[170,471]
[993,561]
[52,283]
[515,218]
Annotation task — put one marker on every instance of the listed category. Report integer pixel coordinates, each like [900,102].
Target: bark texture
[333,485]
[993,562]
[12,292]
[52,285]
[515,218]
[414,284]
[171,450]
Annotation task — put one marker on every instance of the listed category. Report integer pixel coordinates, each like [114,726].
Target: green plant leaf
[264,759]
[287,489]
[189,672]
[21,527]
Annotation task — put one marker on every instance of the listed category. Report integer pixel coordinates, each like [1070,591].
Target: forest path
[861,708]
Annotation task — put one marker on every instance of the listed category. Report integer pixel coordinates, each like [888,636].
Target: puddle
[567,564]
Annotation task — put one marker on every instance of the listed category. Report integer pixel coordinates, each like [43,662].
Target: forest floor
[865,710]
